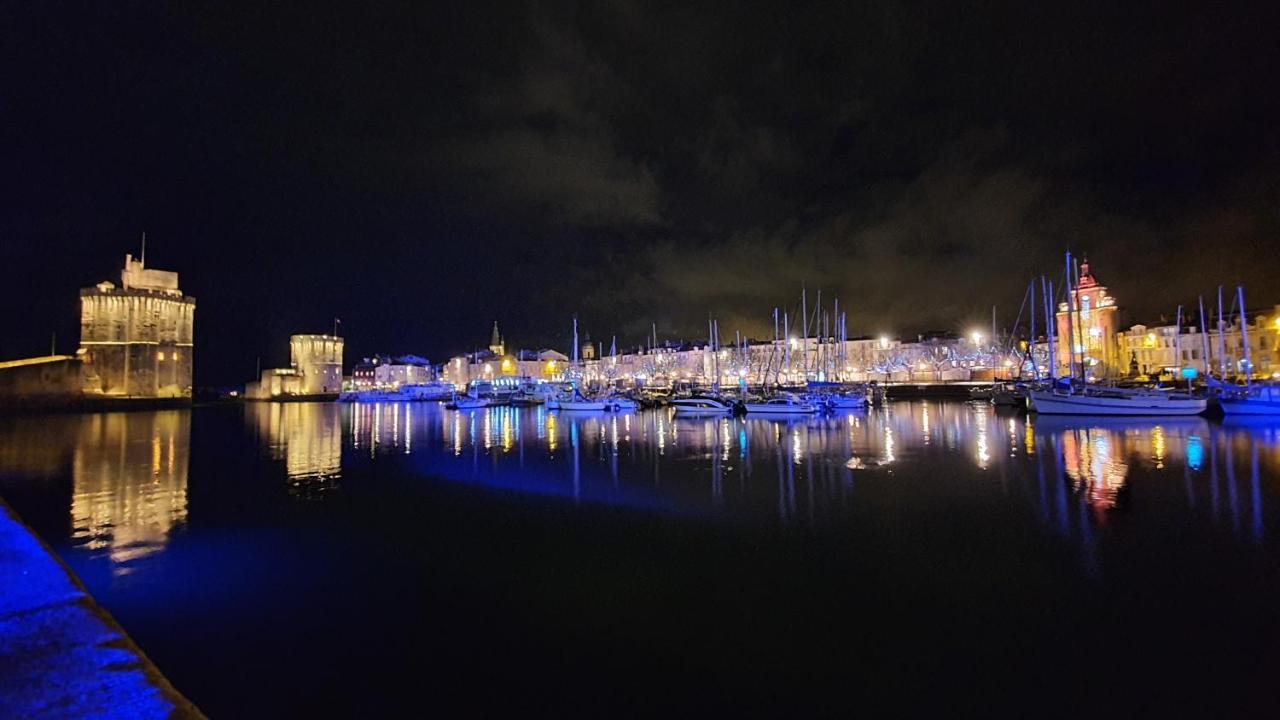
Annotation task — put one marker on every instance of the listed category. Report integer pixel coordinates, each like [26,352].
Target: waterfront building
[495,363]
[315,370]
[383,372]
[136,340]
[1162,350]
[1093,326]
[542,365]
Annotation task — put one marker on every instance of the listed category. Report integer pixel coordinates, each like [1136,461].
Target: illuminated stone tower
[318,361]
[1094,332]
[136,340]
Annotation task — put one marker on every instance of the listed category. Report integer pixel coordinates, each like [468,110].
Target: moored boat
[781,405]
[701,405]
[1008,395]
[469,402]
[1113,401]
[1258,399]
[620,403]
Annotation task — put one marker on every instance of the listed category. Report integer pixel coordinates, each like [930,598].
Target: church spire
[496,345]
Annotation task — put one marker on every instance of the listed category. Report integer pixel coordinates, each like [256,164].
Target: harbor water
[925,557]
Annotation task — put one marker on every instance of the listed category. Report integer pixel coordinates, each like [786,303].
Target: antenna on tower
[143,259]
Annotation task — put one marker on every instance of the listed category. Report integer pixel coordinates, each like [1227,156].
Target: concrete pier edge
[61,653]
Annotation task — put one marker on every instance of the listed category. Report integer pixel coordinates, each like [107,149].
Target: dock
[61,654]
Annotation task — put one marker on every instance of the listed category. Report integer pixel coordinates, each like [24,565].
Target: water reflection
[308,437]
[125,477]
[129,474]
[1076,472]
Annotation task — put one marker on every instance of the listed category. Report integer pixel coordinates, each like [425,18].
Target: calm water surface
[923,558]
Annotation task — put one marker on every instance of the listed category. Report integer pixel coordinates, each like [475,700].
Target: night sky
[422,171]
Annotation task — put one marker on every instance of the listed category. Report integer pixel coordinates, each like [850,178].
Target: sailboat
[1075,397]
[470,401]
[574,400]
[1255,398]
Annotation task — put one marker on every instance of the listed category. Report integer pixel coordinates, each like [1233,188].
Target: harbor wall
[53,380]
[63,655]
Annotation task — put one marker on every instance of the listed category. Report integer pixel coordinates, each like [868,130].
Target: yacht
[781,405]
[701,405]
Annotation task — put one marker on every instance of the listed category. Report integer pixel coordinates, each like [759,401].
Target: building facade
[137,340]
[1163,350]
[1087,334]
[315,370]
[318,359]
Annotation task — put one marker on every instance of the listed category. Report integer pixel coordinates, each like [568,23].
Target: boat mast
[1071,328]
[1204,340]
[1177,345]
[574,374]
[835,319]
[993,326]
[1222,343]
[817,330]
[1078,345]
[786,342]
[1244,337]
[1031,347]
[774,352]
[1050,329]
[804,318]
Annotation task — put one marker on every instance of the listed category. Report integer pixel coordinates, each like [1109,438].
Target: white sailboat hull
[1050,403]
[689,408]
[581,405]
[779,409]
[848,403]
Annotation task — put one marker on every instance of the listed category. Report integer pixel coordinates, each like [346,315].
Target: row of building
[1102,349]
[137,342]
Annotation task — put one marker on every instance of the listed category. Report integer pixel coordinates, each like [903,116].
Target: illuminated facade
[136,340]
[318,360]
[1094,326]
[1155,351]
[544,365]
[386,373]
[315,370]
